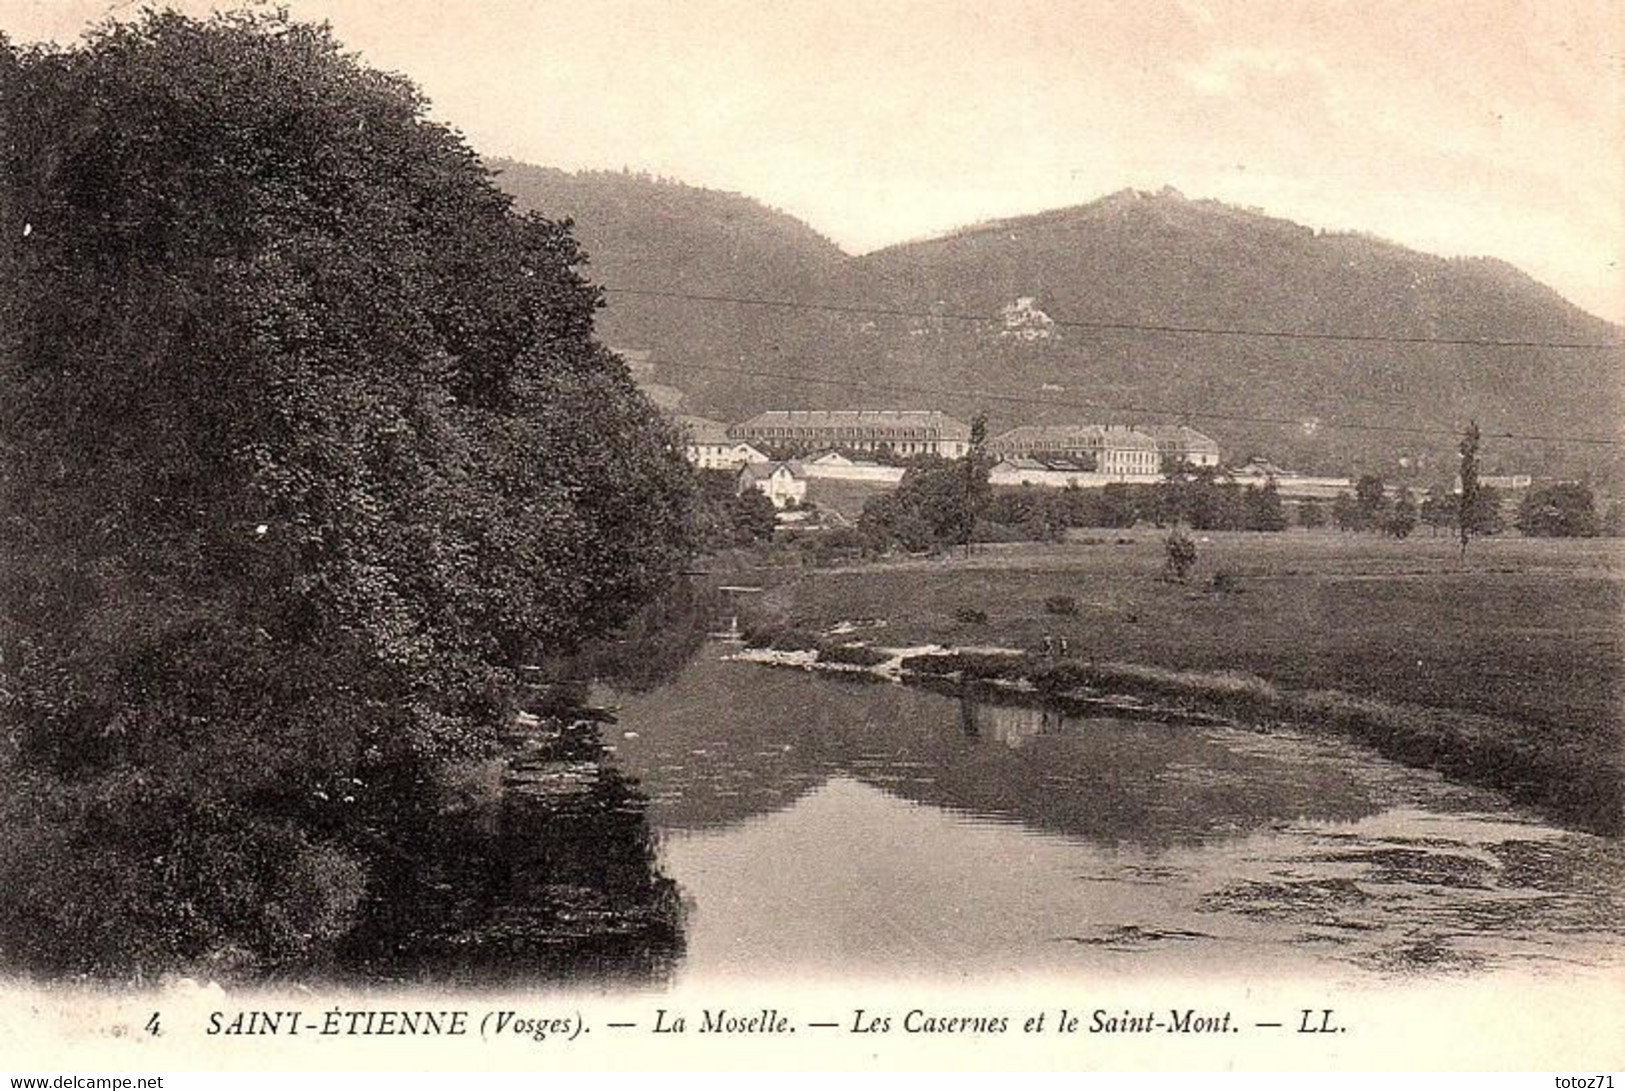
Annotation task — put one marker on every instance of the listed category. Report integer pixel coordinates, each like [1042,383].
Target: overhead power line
[1142,410]
[1108,326]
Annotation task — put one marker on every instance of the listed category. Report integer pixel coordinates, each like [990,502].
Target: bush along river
[536,867]
[834,824]
[539,865]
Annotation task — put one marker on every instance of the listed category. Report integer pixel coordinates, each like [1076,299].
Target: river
[833,827]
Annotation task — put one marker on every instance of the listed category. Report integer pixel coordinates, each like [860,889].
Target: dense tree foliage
[1207,499]
[1263,506]
[1345,512]
[974,469]
[1199,498]
[937,504]
[1400,519]
[1371,502]
[929,509]
[1438,509]
[305,447]
[1484,515]
[727,516]
[1179,551]
[1564,510]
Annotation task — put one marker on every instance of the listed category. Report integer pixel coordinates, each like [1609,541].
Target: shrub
[823,548]
[856,655]
[1181,555]
[1061,605]
[969,665]
[970,616]
[987,532]
[781,639]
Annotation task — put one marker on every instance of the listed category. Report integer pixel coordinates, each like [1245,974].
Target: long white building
[1115,451]
[899,431]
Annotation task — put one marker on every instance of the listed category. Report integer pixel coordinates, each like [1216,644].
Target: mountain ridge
[1133,257]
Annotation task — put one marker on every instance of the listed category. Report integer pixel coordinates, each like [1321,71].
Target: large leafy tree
[305,447]
[1370,494]
[1264,509]
[930,508]
[1402,515]
[1563,510]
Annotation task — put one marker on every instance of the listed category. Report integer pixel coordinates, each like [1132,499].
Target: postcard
[1022,535]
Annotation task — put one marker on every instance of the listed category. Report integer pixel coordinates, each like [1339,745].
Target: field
[1527,631]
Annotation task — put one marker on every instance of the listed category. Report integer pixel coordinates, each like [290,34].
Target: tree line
[931,509]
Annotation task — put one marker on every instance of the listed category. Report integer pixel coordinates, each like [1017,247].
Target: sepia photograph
[811,535]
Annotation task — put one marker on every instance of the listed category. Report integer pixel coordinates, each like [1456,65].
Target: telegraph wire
[1108,326]
[987,395]
[1144,410]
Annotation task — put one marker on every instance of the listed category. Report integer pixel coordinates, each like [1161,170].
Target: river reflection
[835,827]
[728,741]
[540,865]
[545,872]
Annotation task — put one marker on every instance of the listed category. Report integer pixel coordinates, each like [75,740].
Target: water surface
[825,826]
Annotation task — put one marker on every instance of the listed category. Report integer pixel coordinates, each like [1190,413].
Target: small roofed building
[1291,485]
[1258,469]
[836,466]
[1510,482]
[899,431]
[784,483]
[708,445]
[1181,443]
[836,460]
[1055,472]
[1114,451]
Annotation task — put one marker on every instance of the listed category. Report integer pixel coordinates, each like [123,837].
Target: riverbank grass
[1507,672]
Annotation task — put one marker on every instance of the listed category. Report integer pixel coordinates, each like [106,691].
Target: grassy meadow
[1526,639]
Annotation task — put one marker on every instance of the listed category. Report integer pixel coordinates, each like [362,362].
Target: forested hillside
[1092,314]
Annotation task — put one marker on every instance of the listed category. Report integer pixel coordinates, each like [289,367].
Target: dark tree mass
[306,448]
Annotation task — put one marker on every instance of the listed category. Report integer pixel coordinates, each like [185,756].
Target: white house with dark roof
[784,483]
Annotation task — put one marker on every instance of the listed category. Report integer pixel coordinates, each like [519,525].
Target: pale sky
[1493,127]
